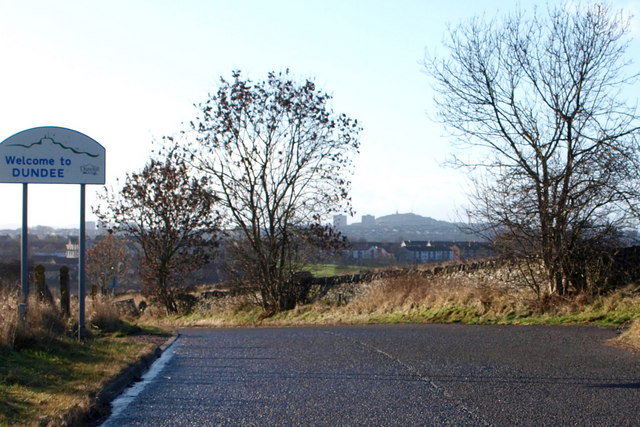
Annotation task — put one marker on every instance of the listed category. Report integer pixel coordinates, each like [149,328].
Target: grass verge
[45,374]
[630,339]
[419,299]
[65,375]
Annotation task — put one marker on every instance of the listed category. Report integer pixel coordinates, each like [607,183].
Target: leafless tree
[171,215]
[539,99]
[280,160]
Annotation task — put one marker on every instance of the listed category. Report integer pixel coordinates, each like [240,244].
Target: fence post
[65,303]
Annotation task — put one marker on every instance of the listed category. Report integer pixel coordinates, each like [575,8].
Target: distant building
[90,228]
[471,250]
[398,227]
[368,220]
[426,252]
[416,252]
[339,221]
[439,251]
[359,252]
[73,248]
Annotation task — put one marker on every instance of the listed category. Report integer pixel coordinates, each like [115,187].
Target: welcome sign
[51,155]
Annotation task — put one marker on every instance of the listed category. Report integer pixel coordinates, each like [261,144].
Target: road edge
[96,407]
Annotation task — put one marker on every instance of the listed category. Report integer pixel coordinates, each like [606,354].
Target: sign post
[81,264]
[24,257]
[52,155]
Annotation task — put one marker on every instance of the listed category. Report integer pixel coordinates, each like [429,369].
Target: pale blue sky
[125,72]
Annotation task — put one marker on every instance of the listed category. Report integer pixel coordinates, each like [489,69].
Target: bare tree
[539,98]
[280,159]
[171,216]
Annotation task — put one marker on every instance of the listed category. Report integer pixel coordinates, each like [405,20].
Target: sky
[128,72]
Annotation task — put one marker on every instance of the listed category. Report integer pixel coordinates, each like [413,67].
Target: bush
[8,317]
[43,325]
[9,276]
[104,316]
[631,337]
[186,303]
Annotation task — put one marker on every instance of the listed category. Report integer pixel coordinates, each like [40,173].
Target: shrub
[8,317]
[43,325]
[104,316]
[9,276]
[631,337]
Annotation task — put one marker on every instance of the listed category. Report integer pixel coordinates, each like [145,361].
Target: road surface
[392,375]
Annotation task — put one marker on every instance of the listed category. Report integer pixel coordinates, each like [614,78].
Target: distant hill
[405,226]
[408,220]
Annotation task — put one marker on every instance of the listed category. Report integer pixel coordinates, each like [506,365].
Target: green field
[327,270]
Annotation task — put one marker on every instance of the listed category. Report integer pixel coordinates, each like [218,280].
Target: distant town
[398,227]
[392,239]
[407,238]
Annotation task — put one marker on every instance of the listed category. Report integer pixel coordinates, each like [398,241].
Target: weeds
[104,316]
[43,323]
[417,297]
[8,318]
[631,337]
[45,372]
[436,298]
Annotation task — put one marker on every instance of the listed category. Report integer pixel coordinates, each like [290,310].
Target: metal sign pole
[24,257]
[81,262]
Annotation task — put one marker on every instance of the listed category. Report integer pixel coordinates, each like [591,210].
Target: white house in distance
[73,247]
[360,252]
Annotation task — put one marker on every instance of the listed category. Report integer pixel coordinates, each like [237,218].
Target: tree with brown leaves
[108,261]
[171,215]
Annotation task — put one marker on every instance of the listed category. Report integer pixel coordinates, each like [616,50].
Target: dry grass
[237,310]
[8,318]
[103,315]
[631,337]
[43,323]
[478,297]
[407,294]
[416,298]
[45,372]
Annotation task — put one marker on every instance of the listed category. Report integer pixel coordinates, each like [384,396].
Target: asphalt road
[428,375]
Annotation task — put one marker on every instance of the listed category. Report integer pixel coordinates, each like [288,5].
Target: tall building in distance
[368,220]
[339,221]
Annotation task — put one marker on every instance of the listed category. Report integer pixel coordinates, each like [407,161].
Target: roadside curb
[97,406]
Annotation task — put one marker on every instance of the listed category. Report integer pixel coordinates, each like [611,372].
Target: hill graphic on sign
[59,144]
